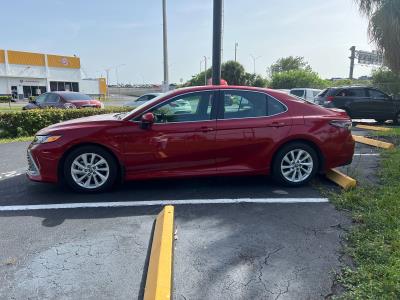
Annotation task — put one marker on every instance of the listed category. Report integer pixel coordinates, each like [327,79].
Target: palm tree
[384,28]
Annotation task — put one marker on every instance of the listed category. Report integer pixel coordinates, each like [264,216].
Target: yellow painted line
[376,128]
[372,142]
[341,179]
[159,272]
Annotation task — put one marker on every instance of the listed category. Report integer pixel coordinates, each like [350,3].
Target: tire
[90,169]
[380,121]
[283,161]
[396,120]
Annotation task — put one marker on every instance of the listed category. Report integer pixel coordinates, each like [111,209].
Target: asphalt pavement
[223,251]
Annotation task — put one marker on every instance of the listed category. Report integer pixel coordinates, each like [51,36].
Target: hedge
[27,123]
[5,99]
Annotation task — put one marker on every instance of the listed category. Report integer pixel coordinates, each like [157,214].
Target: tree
[296,78]
[387,81]
[384,28]
[289,63]
[234,73]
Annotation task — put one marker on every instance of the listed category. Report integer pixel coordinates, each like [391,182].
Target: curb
[376,128]
[372,142]
[341,179]
[159,273]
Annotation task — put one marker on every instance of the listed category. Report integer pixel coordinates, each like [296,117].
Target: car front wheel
[90,169]
[295,164]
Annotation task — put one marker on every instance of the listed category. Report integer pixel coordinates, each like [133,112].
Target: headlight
[341,124]
[42,139]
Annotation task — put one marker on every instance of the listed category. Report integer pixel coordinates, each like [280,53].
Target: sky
[105,34]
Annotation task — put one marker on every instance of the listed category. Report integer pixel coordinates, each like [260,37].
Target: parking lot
[284,245]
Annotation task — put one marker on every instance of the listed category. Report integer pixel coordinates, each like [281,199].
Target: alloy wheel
[90,170]
[297,165]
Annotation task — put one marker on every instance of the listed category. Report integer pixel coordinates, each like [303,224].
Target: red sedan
[229,131]
[65,100]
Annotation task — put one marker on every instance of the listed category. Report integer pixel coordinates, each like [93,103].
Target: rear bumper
[342,153]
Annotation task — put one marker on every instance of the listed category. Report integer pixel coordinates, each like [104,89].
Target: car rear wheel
[90,169]
[295,164]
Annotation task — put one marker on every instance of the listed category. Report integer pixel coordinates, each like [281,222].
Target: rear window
[75,96]
[298,93]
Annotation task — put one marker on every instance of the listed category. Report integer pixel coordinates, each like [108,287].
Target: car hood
[92,121]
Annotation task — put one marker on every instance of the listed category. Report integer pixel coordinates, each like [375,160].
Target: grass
[374,243]
[17,139]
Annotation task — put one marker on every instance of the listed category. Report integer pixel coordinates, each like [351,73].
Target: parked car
[65,100]
[266,132]
[307,94]
[142,99]
[362,103]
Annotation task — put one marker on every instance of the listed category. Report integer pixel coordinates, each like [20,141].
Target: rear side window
[351,93]
[377,94]
[247,104]
[76,96]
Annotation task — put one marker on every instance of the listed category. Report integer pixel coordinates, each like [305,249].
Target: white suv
[307,94]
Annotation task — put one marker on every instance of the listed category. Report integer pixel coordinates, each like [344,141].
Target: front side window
[185,108]
[247,104]
[40,100]
[352,93]
[52,98]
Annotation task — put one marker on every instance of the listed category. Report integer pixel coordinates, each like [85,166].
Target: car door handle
[206,129]
[278,124]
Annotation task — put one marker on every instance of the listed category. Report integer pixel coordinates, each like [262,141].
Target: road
[223,251]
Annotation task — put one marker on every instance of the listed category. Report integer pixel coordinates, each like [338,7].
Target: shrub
[5,99]
[27,123]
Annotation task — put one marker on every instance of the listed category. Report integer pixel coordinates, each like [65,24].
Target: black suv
[361,103]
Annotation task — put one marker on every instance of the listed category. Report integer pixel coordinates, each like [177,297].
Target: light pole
[254,61]
[205,70]
[165,47]
[217,42]
[236,47]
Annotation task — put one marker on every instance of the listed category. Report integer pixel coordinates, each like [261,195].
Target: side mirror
[147,120]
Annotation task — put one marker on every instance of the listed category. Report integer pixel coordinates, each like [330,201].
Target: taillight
[330,98]
[341,124]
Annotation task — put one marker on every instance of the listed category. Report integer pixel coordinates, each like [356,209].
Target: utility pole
[217,41]
[352,58]
[205,70]
[165,47]
[236,47]
[107,81]
[254,62]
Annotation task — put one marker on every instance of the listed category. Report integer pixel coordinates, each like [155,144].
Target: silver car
[142,99]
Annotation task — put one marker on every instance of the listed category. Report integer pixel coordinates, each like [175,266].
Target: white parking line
[366,154]
[166,202]
[10,174]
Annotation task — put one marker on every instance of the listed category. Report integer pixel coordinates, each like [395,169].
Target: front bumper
[43,162]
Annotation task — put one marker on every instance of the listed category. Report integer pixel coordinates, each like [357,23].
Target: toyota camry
[224,130]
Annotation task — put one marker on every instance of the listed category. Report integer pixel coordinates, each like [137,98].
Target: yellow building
[25,74]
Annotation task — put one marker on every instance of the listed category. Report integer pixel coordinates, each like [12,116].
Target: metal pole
[165,47]
[217,41]
[205,70]
[108,73]
[352,58]
[236,46]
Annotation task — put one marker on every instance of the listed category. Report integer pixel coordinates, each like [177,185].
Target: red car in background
[65,100]
[230,130]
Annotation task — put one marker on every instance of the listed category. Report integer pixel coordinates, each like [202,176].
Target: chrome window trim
[217,119]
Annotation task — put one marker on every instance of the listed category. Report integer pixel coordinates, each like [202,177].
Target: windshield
[75,96]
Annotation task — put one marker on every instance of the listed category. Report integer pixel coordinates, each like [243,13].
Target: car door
[249,124]
[180,142]
[354,101]
[380,106]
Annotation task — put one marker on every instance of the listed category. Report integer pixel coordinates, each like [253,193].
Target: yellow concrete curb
[341,179]
[376,128]
[159,273]
[372,142]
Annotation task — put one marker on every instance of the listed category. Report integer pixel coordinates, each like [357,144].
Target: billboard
[370,58]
